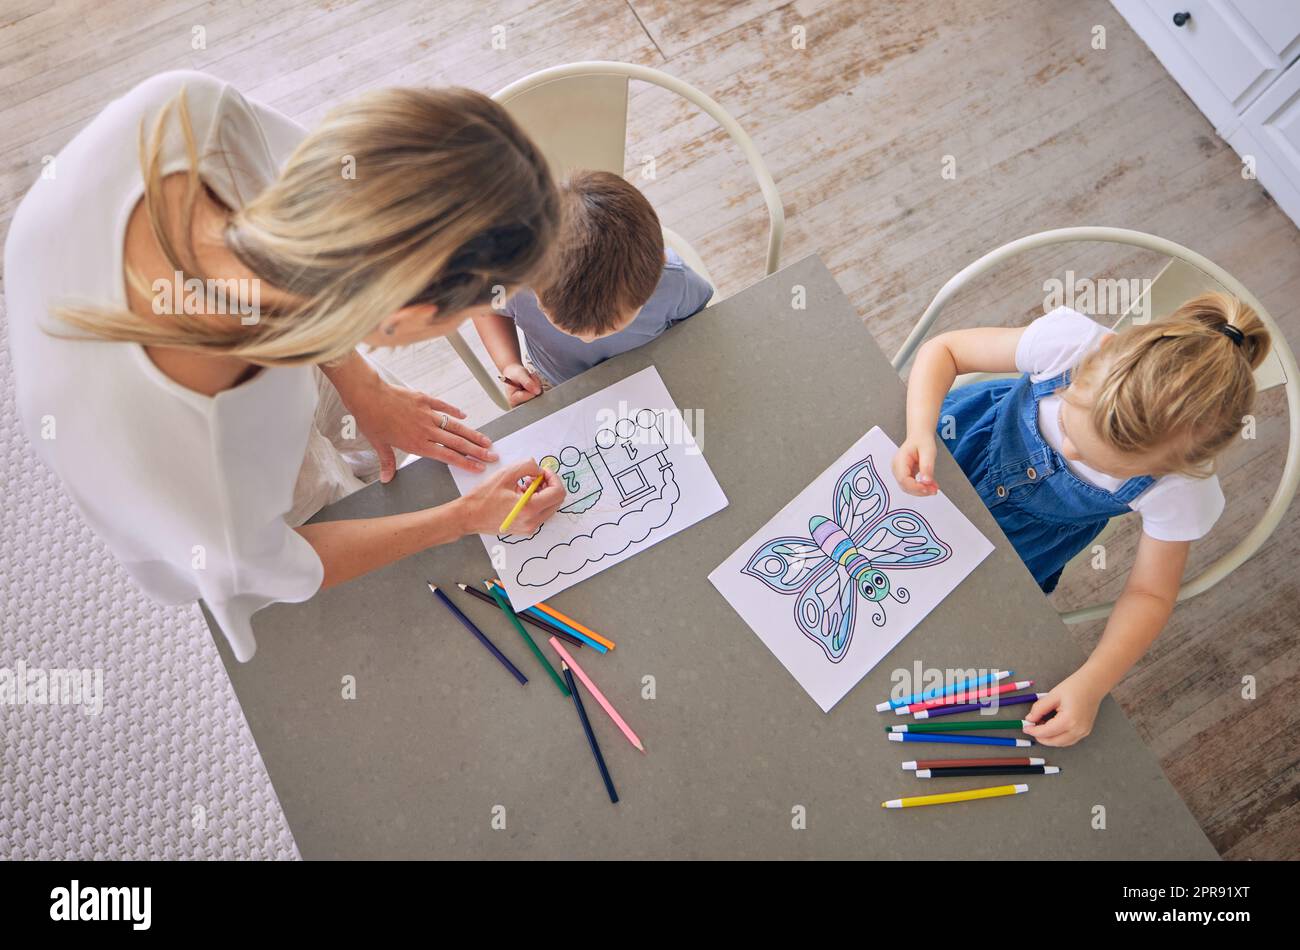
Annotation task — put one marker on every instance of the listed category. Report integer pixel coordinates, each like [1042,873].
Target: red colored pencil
[973,696]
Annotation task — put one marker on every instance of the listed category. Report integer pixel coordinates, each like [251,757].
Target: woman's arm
[394,417]
[1141,612]
[939,361]
[348,549]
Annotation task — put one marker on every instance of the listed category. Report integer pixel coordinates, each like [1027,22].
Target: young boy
[613,287]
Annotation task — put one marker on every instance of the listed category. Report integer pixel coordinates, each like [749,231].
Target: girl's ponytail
[1181,385]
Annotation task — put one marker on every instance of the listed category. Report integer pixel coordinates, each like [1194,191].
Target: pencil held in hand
[548,465]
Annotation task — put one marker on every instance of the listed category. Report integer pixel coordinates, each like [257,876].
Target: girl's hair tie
[1232,333]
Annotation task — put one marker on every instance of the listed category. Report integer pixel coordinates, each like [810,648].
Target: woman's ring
[443,423]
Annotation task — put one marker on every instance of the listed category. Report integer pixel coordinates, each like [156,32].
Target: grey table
[441,747]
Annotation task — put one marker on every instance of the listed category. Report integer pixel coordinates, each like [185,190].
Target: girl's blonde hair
[450,200]
[1181,384]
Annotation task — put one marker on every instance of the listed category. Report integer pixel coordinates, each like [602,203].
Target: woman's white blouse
[190,492]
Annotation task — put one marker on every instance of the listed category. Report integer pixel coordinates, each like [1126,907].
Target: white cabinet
[1236,59]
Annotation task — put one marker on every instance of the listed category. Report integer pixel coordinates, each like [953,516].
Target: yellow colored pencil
[519,505]
[551,611]
[998,791]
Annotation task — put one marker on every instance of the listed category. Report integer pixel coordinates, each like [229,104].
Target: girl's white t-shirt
[1176,507]
[190,492]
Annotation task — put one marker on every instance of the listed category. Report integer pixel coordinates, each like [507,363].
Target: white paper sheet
[831,624]
[634,475]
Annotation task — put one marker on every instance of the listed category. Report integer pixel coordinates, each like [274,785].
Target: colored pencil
[519,627]
[1019,700]
[989,770]
[591,736]
[957,740]
[568,622]
[469,625]
[974,726]
[972,763]
[598,647]
[987,692]
[998,791]
[938,691]
[539,624]
[549,620]
[519,505]
[605,704]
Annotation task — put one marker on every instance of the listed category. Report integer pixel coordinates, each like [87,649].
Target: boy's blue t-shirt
[681,293]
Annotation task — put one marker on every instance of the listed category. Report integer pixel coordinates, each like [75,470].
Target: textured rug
[167,767]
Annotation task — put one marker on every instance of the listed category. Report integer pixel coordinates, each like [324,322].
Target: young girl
[1098,424]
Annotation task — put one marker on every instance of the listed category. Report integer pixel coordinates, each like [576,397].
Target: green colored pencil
[505,609]
[979,726]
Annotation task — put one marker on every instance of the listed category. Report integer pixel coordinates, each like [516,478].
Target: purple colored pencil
[478,634]
[1017,700]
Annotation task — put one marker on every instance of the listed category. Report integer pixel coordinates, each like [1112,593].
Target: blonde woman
[1098,424]
[186,288]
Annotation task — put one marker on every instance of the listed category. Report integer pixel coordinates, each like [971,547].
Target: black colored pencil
[526,618]
[976,770]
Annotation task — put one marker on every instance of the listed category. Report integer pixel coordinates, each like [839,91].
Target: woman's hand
[913,465]
[521,384]
[393,417]
[490,503]
[1075,703]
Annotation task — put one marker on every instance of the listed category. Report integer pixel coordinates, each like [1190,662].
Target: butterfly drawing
[846,555]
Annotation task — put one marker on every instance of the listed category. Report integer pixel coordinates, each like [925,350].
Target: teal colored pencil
[541,658]
[960,726]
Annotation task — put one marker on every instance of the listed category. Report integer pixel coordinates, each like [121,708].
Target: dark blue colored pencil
[514,670]
[957,739]
[591,736]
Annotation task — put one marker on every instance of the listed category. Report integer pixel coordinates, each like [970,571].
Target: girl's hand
[490,503]
[1075,701]
[521,385]
[392,417]
[914,465]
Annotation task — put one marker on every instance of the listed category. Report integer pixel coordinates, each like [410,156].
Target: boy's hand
[521,385]
[1075,703]
[914,465]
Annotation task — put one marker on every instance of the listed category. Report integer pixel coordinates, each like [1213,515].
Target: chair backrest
[1179,281]
[577,115]
[1279,369]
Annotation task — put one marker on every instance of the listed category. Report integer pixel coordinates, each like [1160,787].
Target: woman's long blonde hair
[450,200]
[1181,384]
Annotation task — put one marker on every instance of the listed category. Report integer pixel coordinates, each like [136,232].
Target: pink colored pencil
[972,696]
[599,696]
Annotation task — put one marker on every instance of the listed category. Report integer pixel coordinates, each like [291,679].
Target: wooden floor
[1045,131]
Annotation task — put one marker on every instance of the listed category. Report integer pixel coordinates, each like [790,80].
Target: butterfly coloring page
[841,574]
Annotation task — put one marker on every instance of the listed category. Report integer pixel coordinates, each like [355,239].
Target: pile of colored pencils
[563,633]
[981,695]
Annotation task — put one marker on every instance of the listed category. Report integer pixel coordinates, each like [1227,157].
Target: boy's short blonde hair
[1181,384]
[609,255]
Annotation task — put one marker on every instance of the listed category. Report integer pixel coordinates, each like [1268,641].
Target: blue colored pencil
[594,644]
[469,625]
[956,739]
[1017,700]
[937,691]
[591,736]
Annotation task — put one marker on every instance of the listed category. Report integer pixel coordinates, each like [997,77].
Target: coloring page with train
[842,573]
[633,474]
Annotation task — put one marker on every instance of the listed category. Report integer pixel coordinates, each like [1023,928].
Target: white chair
[1186,275]
[577,116]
